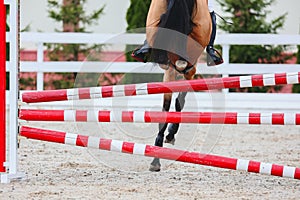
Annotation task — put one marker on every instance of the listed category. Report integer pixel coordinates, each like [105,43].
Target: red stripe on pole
[107,91]
[230,118]
[278,118]
[297,120]
[162,152]
[281,79]
[127,147]
[42,134]
[105,144]
[257,80]
[277,170]
[159,117]
[46,115]
[2,86]
[254,118]
[219,161]
[127,116]
[212,84]
[297,173]
[104,116]
[254,166]
[176,117]
[130,90]
[84,93]
[45,96]
[82,140]
[155,88]
[81,115]
[190,117]
[205,118]
[231,82]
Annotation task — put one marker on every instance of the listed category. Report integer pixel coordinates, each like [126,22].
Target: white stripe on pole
[116,145]
[288,171]
[70,139]
[245,81]
[142,89]
[269,79]
[242,165]
[93,142]
[95,92]
[292,78]
[70,115]
[265,168]
[242,118]
[139,149]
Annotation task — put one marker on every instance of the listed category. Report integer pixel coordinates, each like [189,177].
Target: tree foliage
[250,16]
[72,15]
[137,14]
[136,17]
[296,87]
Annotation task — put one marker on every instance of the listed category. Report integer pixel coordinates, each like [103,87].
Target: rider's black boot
[213,56]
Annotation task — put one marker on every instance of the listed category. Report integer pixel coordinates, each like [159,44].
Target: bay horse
[177,32]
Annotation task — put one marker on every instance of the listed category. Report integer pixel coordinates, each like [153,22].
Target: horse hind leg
[155,164]
[173,127]
[179,104]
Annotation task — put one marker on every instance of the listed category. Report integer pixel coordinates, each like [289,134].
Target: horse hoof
[170,141]
[154,168]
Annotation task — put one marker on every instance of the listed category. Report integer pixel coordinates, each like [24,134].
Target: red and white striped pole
[160,152]
[159,88]
[160,117]
[2,86]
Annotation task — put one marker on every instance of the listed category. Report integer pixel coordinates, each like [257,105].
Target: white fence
[242,101]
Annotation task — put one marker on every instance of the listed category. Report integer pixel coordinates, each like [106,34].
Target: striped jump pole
[160,152]
[160,117]
[159,87]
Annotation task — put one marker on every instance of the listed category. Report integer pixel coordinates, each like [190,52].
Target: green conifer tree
[72,15]
[296,87]
[249,16]
[136,17]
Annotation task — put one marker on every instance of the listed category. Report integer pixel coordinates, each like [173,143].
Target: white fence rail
[40,66]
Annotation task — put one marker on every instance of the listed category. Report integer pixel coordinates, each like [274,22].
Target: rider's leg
[213,58]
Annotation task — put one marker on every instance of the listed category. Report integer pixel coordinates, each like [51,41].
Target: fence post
[40,60]
[225,55]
